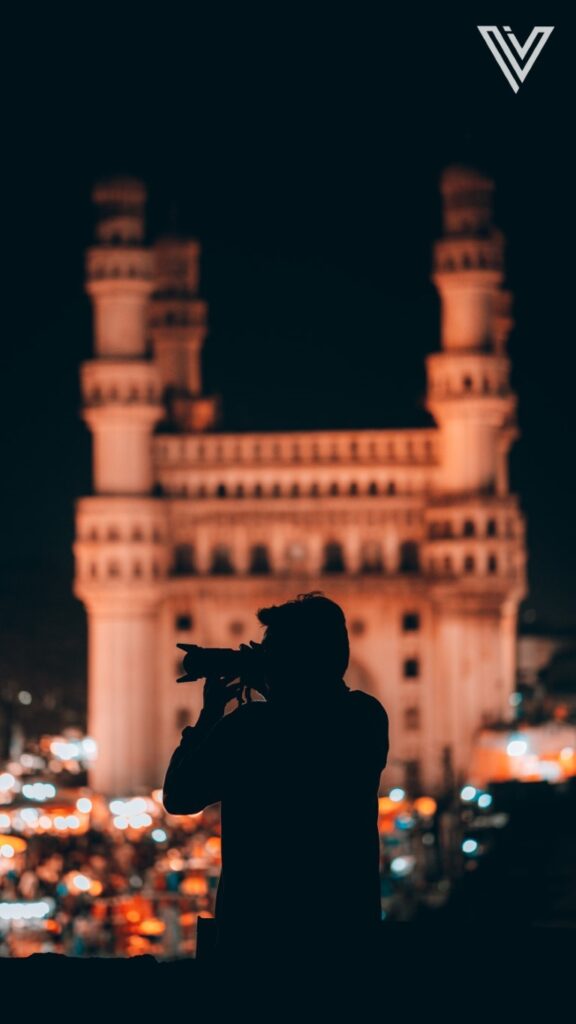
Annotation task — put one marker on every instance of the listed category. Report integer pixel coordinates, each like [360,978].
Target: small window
[411,668]
[113,569]
[236,628]
[492,564]
[411,719]
[491,528]
[183,623]
[410,622]
[469,564]
[469,528]
[413,777]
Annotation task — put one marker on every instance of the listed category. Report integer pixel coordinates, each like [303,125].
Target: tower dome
[467,200]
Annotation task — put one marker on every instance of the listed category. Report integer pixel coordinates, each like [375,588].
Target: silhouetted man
[298,777]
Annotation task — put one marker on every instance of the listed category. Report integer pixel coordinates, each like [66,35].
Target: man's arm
[196,771]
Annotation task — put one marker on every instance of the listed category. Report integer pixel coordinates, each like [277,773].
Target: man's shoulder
[365,704]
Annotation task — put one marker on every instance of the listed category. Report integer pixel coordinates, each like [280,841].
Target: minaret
[120,530]
[469,392]
[178,327]
[474,551]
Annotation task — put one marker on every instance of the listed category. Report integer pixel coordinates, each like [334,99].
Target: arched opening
[409,556]
[183,561]
[259,560]
[371,560]
[333,558]
[221,561]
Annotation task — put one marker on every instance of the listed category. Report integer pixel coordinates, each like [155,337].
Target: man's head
[306,645]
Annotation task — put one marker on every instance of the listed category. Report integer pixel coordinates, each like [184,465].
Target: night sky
[305,154]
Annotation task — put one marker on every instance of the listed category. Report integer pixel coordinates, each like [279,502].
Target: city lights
[397,794]
[468,793]
[7,782]
[402,866]
[38,791]
[20,911]
[65,751]
[469,847]
[517,748]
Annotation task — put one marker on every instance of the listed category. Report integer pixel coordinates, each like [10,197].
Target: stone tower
[190,529]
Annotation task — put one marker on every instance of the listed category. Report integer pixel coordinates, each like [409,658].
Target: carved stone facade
[189,529]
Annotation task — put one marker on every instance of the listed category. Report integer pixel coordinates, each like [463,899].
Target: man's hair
[312,631]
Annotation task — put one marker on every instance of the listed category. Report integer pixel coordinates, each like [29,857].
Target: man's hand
[217,692]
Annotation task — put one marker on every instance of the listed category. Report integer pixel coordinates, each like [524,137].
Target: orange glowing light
[16,844]
[133,916]
[426,806]
[387,806]
[194,885]
[152,926]
[214,846]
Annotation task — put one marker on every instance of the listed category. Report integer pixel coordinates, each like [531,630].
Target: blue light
[469,847]
[468,794]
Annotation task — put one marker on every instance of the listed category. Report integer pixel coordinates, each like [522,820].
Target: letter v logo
[505,56]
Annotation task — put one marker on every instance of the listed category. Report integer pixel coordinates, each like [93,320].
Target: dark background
[304,151]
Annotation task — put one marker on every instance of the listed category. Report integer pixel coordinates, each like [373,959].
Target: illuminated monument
[189,529]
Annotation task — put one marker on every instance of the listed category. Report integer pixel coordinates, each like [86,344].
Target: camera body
[245,664]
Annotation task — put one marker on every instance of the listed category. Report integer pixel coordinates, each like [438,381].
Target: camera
[245,664]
